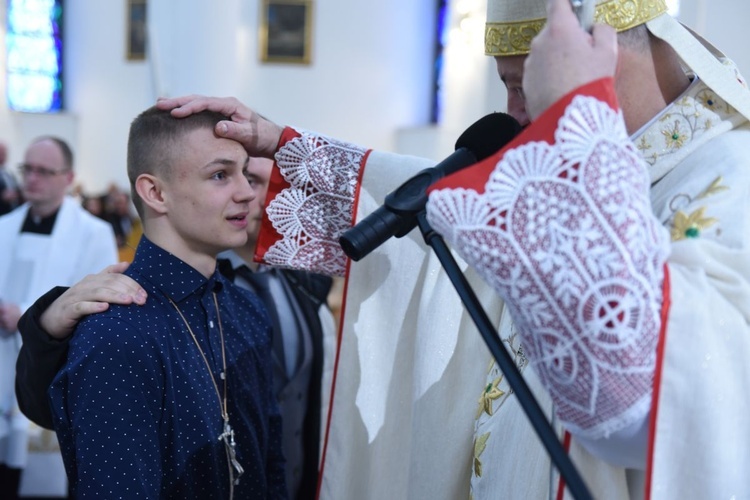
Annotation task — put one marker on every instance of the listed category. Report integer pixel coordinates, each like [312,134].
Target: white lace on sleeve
[312,213]
[565,234]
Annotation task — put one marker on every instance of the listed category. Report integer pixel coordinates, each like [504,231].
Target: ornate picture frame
[286,31]
[135,32]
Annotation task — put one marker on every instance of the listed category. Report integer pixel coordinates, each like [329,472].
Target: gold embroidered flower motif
[674,137]
[480,443]
[643,144]
[708,99]
[491,393]
[690,226]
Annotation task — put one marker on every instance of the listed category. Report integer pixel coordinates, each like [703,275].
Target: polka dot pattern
[135,409]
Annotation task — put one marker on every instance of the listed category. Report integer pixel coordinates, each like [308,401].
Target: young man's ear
[150,189]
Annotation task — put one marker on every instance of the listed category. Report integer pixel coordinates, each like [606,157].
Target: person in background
[126,224]
[303,342]
[118,214]
[10,191]
[95,206]
[48,240]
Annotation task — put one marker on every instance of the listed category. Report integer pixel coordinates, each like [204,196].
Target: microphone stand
[529,404]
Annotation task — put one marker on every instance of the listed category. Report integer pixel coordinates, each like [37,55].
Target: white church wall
[368,82]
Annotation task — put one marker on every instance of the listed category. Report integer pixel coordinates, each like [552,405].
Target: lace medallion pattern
[317,207]
[565,234]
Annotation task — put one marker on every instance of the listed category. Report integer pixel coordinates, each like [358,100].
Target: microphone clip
[410,198]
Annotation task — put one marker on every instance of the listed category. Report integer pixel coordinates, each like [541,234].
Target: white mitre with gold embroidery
[512,24]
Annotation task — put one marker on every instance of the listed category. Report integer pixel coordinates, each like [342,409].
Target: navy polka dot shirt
[135,409]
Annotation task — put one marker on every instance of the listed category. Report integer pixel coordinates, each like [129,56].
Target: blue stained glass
[34,55]
[32,93]
[441,34]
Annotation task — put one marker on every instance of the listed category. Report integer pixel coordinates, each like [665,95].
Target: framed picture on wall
[286,31]
[135,42]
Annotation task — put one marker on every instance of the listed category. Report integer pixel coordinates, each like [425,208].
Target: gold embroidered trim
[691,226]
[493,396]
[715,188]
[514,38]
[625,14]
[683,122]
[491,393]
[510,39]
[480,443]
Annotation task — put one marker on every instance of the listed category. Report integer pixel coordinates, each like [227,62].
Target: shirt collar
[39,225]
[173,276]
[236,261]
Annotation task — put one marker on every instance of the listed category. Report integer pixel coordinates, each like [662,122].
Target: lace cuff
[314,203]
[565,234]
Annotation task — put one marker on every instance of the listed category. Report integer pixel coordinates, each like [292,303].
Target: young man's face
[207,194]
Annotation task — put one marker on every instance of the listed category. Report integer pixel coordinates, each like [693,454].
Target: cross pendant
[229,443]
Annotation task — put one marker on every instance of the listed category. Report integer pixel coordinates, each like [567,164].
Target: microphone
[398,215]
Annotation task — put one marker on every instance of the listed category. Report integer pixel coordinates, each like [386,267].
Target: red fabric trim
[561,483]
[542,129]
[340,338]
[661,347]
[267,235]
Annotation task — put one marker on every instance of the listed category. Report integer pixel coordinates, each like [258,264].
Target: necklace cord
[222,402]
[228,433]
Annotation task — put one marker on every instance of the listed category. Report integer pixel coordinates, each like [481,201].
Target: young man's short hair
[154,136]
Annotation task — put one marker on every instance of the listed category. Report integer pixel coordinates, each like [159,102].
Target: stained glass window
[34,55]
[441,34]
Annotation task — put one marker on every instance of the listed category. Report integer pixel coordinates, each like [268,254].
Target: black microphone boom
[398,215]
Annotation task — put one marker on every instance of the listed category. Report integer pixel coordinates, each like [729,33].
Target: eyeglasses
[44,172]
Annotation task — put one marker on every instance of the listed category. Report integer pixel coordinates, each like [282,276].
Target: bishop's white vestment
[625,266]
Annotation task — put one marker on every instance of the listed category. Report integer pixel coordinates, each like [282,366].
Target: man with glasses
[47,241]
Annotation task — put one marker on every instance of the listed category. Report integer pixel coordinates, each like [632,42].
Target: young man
[174,399]
[302,347]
